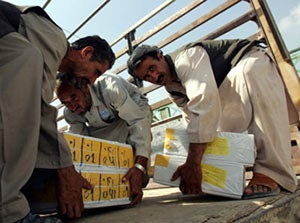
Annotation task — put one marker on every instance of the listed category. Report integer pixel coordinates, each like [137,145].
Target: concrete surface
[167,204]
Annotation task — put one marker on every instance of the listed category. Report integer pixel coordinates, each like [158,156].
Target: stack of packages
[103,163]
[223,163]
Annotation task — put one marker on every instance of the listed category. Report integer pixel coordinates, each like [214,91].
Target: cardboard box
[223,163]
[104,164]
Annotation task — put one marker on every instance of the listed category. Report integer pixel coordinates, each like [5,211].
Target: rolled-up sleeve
[203,108]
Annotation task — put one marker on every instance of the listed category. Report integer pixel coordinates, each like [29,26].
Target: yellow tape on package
[104,164]
[223,163]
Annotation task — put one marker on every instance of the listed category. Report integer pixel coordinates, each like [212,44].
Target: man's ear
[87,52]
[160,55]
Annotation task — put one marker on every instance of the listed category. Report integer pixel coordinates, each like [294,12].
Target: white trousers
[253,99]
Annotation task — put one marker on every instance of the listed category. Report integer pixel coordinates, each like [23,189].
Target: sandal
[259,179]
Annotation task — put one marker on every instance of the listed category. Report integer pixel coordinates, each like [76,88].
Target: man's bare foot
[261,186]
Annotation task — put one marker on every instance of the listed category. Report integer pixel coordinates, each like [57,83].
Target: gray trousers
[28,132]
[21,73]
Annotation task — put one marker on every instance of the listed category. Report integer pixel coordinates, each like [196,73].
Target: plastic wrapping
[223,163]
[103,163]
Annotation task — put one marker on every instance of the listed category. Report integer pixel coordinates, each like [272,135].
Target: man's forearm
[141,160]
[195,153]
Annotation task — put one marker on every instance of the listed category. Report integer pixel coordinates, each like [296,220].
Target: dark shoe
[34,218]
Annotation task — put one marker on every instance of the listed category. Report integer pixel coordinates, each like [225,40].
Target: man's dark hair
[64,79]
[102,50]
[139,54]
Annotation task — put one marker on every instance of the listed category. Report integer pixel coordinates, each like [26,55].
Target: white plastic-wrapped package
[235,147]
[103,163]
[223,163]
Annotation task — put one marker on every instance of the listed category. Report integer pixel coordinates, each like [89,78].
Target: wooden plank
[297,169]
[231,25]
[296,162]
[295,152]
[248,175]
[161,103]
[59,118]
[142,21]
[203,19]
[278,49]
[166,120]
[295,142]
[162,25]
[150,88]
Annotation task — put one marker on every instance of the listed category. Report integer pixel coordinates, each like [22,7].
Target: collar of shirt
[95,99]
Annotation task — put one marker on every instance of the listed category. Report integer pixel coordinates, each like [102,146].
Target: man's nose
[152,76]
[71,106]
[156,78]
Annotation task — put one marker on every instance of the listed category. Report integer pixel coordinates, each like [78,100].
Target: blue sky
[118,15]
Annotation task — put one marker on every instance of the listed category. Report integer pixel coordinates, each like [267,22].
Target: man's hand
[70,184]
[135,177]
[191,178]
[190,172]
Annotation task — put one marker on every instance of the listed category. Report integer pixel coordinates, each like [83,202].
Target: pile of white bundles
[223,163]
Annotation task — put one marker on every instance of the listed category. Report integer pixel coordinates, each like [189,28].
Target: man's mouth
[160,79]
[78,110]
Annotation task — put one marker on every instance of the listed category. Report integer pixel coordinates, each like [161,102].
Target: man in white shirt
[225,85]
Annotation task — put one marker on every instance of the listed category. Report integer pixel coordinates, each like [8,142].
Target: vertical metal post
[130,38]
